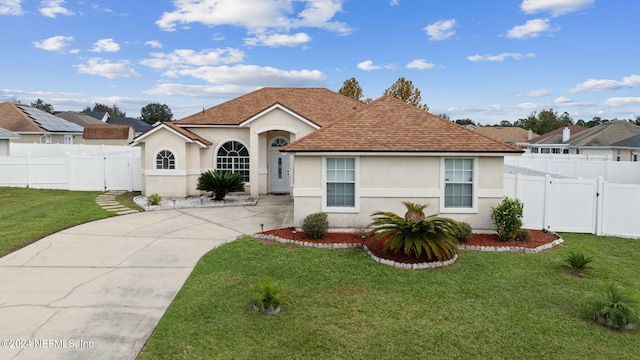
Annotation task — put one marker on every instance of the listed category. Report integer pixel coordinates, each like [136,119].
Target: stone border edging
[194,202]
[397,265]
[514,249]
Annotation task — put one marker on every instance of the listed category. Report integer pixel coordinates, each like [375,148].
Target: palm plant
[615,307]
[269,295]
[433,235]
[414,212]
[220,183]
[577,262]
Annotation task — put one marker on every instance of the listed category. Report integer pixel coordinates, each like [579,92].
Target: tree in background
[155,112]
[404,90]
[545,121]
[352,89]
[466,121]
[114,111]
[444,116]
[41,105]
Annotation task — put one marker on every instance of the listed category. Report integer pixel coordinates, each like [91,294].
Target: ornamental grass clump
[316,225]
[416,234]
[615,307]
[507,218]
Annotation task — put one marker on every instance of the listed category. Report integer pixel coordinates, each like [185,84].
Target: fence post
[547,203]
[69,174]
[600,193]
[29,185]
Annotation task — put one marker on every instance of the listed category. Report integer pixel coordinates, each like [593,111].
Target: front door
[279,171]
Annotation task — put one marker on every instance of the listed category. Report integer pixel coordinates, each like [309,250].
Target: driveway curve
[97,290]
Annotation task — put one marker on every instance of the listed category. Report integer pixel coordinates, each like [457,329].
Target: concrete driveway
[97,291]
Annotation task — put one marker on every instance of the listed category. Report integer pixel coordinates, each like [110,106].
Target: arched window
[279,142]
[233,156]
[165,160]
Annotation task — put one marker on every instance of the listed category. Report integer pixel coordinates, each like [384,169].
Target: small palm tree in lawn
[415,233]
[220,183]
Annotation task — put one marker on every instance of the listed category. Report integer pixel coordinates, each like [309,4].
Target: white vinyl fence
[619,172]
[85,170]
[576,205]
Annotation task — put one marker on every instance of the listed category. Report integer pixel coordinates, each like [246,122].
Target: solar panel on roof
[50,122]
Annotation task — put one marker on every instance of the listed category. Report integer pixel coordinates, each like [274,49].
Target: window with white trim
[341,182]
[68,139]
[165,160]
[458,183]
[233,156]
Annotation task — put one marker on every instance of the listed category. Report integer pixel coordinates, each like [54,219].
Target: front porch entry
[279,173]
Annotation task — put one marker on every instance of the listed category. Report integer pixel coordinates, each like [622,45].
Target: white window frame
[474,187]
[233,169]
[47,138]
[68,139]
[356,187]
[155,160]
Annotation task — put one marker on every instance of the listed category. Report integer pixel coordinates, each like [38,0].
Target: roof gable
[26,119]
[555,136]
[318,105]
[505,134]
[185,134]
[390,125]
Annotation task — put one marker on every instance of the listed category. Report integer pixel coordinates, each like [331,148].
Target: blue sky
[487,60]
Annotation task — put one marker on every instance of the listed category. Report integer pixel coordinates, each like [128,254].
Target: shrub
[523,235]
[315,226]
[464,232]
[434,235]
[507,218]
[361,230]
[577,262]
[615,307]
[268,295]
[154,199]
[220,183]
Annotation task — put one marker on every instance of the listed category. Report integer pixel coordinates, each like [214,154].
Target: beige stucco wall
[383,182]
[40,139]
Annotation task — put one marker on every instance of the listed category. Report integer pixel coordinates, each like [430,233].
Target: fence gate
[571,205]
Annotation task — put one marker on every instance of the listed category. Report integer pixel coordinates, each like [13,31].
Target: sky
[486,60]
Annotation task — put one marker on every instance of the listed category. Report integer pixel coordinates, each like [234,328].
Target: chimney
[529,134]
[566,134]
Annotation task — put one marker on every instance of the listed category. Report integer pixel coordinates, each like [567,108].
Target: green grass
[126,199]
[345,306]
[27,215]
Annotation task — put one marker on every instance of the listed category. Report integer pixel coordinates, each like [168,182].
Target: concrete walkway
[97,291]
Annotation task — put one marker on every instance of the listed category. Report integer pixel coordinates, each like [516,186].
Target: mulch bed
[537,238]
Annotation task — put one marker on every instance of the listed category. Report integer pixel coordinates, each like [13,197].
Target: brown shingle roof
[187,133]
[390,125]
[555,136]
[81,119]
[605,134]
[505,134]
[319,105]
[106,131]
[14,119]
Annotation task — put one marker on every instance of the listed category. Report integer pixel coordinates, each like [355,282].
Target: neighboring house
[5,137]
[103,116]
[106,134]
[332,154]
[79,118]
[138,125]
[516,136]
[553,141]
[603,140]
[36,126]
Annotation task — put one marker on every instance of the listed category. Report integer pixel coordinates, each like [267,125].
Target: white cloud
[394,2]
[420,64]
[367,65]
[562,100]
[154,44]
[255,14]
[276,40]
[554,7]
[182,58]
[531,29]
[253,75]
[53,8]
[11,7]
[105,45]
[621,101]
[54,43]
[110,70]
[441,30]
[500,57]
[208,91]
[538,93]
[631,81]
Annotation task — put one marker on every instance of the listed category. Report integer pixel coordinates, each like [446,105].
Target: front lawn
[28,215]
[345,306]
